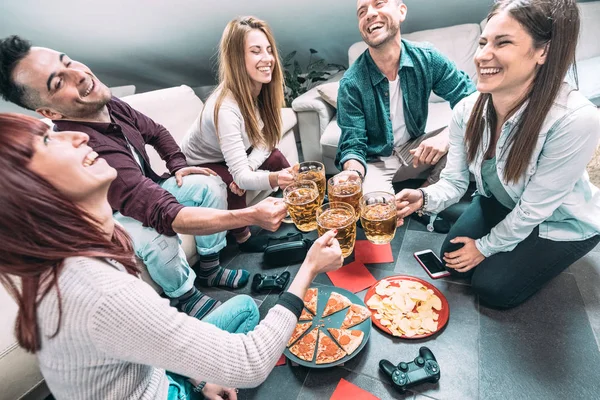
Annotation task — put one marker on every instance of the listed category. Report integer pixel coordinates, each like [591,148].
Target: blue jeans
[163,256]
[238,315]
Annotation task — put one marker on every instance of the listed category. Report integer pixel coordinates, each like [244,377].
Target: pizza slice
[328,351]
[310,300]
[348,339]
[355,315]
[298,331]
[306,316]
[337,302]
[304,348]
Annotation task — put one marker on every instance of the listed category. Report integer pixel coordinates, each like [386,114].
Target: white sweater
[202,145]
[117,338]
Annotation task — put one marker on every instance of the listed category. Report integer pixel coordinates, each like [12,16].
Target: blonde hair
[234,80]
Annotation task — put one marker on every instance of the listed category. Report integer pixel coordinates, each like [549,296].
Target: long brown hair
[551,23]
[40,228]
[234,80]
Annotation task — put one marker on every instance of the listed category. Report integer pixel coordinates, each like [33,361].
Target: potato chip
[407,308]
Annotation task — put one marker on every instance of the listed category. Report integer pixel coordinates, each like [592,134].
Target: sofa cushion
[328,92]
[588,72]
[175,108]
[587,47]
[458,43]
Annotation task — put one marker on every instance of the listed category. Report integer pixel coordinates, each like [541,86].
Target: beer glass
[346,187]
[313,171]
[338,216]
[378,216]
[302,201]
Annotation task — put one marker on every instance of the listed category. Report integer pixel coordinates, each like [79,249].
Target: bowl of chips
[407,307]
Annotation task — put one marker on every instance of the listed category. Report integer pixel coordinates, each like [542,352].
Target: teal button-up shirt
[364,104]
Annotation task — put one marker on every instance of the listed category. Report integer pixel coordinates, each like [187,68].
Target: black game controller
[261,283]
[423,368]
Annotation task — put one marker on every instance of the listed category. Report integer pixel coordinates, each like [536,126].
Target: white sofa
[317,122]
[176,108]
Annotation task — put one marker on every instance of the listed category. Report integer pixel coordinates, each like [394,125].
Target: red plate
[444,313]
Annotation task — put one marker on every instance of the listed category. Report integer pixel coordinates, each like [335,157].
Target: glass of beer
[313,171]
[378,216]
[302,200]
[346,187]
[338,216]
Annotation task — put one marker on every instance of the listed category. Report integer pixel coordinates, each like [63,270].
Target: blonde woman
[237,131]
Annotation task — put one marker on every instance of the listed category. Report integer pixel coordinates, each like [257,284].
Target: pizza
[348,339]
[337,302]
[306,316]
[298,331]
[328,351]
[310,300]
[304,348]
[355,315]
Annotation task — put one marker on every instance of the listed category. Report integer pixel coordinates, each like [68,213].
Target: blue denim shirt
[555,192]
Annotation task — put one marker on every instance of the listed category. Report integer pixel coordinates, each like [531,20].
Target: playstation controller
[278,283]
[424,368]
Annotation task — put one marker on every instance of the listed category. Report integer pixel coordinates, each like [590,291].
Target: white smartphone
[431,264]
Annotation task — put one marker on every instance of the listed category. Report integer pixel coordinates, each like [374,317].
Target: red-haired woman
[100,332]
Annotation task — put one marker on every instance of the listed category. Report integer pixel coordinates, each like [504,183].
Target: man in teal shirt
[383,102]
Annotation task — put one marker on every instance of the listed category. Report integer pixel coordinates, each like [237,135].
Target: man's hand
[465,258]
[431,150]
[216,392]
[192,170]
[355,165]
[269,213]
[236,189]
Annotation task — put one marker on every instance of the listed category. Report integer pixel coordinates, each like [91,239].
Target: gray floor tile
[587,275]
[455,347]
[537,350]
[284,382]
[321,383]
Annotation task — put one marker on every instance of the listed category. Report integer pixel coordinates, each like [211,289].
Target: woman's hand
[236,189]
[408,201]
[192,170]
[325,254]
[216,392]
[285,177]
[465,258]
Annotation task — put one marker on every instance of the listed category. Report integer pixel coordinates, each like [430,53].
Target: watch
[360,174]
[198,389]
[425,202]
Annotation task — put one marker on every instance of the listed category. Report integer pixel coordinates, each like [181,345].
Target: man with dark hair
[383,103]
[152,208]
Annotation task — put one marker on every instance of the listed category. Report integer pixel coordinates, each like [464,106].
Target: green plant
[299,81]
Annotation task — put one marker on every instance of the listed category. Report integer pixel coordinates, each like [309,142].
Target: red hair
[40,228]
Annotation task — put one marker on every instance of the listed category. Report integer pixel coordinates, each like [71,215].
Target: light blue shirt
[555,192]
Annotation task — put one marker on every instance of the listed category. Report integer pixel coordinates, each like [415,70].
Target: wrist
[274,179]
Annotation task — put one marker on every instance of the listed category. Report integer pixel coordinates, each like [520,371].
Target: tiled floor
[548,348]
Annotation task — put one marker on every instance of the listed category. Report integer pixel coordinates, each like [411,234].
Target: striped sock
[196,304]
[212,274]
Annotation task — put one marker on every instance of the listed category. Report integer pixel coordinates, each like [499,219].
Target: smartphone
[431,264]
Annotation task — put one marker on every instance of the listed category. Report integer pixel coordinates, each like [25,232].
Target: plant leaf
[288,58]
[313,51]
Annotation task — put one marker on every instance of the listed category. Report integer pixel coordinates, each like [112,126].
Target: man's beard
[391,33]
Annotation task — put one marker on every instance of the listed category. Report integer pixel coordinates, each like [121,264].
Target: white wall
[161,43]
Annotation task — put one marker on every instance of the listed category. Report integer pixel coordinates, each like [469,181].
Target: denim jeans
[163,256]
[238,315]
[507,279]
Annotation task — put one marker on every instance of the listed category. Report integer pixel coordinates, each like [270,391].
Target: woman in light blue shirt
[527,137]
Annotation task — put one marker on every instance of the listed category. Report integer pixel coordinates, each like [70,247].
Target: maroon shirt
[133,193]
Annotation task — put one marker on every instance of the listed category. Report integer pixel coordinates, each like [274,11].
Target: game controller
[261,283]
[423,368]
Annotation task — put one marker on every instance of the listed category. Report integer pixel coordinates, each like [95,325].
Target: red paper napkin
[281,360]
[346,390]
[353,277]
[370,253]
